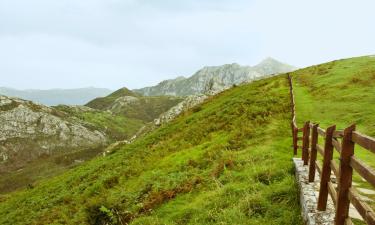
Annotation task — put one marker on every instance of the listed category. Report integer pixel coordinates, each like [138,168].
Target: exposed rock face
[186,104]
[29,130]
[132,105]
[122,102]
[216,78]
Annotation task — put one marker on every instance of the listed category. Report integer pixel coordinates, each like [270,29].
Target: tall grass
[226,163]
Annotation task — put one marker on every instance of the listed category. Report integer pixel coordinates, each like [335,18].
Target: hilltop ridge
[133,105]
[216,78]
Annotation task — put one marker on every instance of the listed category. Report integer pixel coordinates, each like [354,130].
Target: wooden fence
[343,142]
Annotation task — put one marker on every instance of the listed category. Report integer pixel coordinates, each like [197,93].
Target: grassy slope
[117,127]
[226,163]
[104,102]
[340,92]
[147,108]
[43,167]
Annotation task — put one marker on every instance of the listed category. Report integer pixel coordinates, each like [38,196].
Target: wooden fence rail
[342,193]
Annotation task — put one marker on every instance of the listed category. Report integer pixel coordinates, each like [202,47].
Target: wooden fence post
[295,140]
[314,142]
[345,179]
[326,169]
[305,144]
[293,108]
[294,136]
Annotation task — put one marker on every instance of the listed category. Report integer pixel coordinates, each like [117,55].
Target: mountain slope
[215,78]
[132,105]
[29,130]
[116,127]
[342,93]
[57,96]
[225,162]
[37,141]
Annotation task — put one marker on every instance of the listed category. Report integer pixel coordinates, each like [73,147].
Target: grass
[144,108]
[226,162]
[116,127]
[43,167]
[340,92]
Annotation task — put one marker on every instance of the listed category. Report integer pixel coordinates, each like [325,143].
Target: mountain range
[224,159]
[216,78]
[38,140]
[52,97]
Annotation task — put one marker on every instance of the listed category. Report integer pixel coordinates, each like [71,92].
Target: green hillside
[341,92]
[134,106]
[117,127]
[105,102]
[224,162]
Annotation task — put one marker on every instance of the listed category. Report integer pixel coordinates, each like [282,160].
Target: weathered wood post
[293,108]
[314,142]
[345,179]
[295,139]
[305,144]
[326,169]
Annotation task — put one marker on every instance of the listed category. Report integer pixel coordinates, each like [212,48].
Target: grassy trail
[341,93]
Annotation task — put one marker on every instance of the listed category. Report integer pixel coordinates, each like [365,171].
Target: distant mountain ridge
[216,78]
[51,97]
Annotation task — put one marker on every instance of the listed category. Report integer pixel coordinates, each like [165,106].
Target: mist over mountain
[79,96]
[216,78]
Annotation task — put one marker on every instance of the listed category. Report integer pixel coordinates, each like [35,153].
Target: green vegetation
[340,92]
[135,106]
[117,127]
[224,162]
[43,167]
[105,102]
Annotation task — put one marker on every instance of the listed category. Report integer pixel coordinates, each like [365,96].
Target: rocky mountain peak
[216,78]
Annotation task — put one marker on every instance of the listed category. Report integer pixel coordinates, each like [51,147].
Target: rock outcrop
[216,78]
[29,130]
[132,105]
[188,103]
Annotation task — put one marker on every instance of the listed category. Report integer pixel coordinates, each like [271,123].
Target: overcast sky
[135,43]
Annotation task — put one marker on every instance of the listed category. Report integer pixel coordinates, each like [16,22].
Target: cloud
[134,43]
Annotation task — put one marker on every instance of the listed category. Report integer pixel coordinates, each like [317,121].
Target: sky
[135,43]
